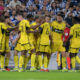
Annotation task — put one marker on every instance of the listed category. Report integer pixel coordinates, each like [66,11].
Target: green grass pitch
[39,76]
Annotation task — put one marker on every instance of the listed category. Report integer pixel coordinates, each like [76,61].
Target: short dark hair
[2,18]
[76,20]
[20,13]
[29,16]
[6,17]
[48,16]
[36,17]
[61,14]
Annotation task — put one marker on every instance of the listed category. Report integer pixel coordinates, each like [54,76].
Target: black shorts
[67,46]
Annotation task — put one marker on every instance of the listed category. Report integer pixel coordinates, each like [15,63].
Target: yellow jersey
[44,36]
[57,29]
[24,38]
[75,33]
[32,37]
[3,29]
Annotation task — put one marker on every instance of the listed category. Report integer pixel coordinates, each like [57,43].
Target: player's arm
[35,31]
[15,41]
[36,26]
[11,29]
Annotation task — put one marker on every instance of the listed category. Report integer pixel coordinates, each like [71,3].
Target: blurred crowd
[70,8]
[40,7]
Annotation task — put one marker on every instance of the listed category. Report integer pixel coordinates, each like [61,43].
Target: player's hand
[42,21]
[14,41]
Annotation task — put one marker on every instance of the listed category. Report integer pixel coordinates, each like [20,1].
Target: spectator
[13,3]
[13,17]
[1,7]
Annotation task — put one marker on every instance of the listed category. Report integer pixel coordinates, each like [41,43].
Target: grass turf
[39,76]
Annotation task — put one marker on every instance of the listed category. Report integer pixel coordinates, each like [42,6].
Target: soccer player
[58,27]
[75,42]
[43,43]
[3,45]
[65,38]
[24,43]
[33,38]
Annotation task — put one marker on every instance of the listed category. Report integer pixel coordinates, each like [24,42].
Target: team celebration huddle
[39,37]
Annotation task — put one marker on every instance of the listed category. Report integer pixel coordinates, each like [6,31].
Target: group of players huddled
[40,39]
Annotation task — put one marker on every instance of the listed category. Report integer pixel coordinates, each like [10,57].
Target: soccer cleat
[41,70]
[73,70]
[64,70]
[20,70]
[32,69]
[46,70]
[2,70]
[7,69]
[16,69]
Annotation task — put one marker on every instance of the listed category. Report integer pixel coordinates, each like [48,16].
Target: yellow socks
[45,62]
[36,62]
[63,62]
[26,60]
[6,61]
[21,61]
[33,57]
[73,62]
[40,61]
[78,59]
[58,59]
[2,61]
[16,61]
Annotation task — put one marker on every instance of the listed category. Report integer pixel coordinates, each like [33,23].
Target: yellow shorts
[57,46]
[2,47]
[7,48]
[22,47]
[2,44]
[74,50]
[42,48]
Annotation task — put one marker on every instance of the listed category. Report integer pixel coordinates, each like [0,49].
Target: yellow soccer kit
[32,37]
[7,48]
[75,41]
[57,31]
[43,43]
[2,36]
[23,42]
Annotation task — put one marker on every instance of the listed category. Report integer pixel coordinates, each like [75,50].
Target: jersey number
[77,34]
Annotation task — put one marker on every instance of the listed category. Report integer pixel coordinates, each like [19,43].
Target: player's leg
[68,54]
[73,54]
[77,59]
[68,60]
[63,60]
[45,62]
[7,61]
[21,61]
[63,53]
[26,60]
[73,60]
[40,60]
[16,60]
[33,57]
[48,56]
[58,60]
[2,61]
[37,63]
